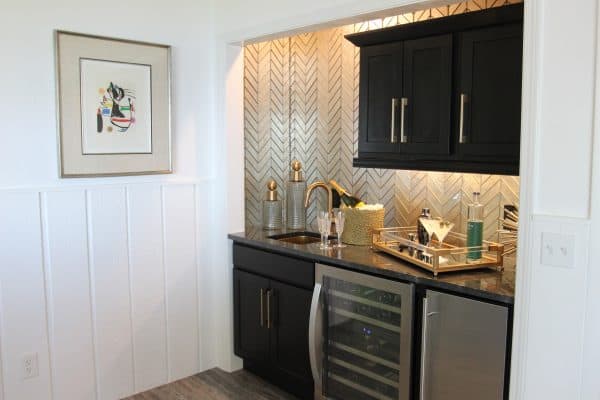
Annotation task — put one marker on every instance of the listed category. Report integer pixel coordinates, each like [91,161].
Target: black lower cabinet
[252,336]
[271,329]
[289,341]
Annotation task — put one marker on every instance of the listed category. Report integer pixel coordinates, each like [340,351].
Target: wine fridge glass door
[366,338]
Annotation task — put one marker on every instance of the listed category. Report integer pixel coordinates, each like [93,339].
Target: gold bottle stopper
[272,193]
[296,173]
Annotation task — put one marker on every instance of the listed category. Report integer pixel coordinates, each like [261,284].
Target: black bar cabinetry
[272,295]
[443,94]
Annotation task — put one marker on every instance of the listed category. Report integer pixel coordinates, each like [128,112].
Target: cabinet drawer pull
[269,322]
[393,122]
[262,307]
[403,104]
[461,130]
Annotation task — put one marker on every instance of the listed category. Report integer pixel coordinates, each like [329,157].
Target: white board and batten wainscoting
[104,283]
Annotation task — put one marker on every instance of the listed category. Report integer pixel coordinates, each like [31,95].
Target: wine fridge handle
[313,335]
[423,351]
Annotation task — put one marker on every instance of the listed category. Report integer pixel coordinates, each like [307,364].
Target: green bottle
[475,228]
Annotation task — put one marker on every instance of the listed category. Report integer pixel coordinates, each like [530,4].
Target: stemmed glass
[437,227]
[339,217]
[324,222]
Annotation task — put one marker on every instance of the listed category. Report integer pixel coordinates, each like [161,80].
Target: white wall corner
[591,345]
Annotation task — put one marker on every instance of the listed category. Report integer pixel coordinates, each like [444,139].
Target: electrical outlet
[30,366]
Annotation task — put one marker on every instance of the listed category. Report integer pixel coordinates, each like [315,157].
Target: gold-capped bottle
[272,208]
[296,188]
[345,197]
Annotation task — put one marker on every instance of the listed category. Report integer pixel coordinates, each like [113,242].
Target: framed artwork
[114,106]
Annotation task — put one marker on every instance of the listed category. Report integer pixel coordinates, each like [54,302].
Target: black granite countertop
[485,283]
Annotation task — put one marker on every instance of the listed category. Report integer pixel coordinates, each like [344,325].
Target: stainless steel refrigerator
[463,348]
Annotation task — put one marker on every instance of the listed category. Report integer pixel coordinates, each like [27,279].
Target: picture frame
[113,106]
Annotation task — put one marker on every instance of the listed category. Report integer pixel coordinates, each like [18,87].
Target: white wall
[106,279]
[555,350]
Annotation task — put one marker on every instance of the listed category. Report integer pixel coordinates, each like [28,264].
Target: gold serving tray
[449,256]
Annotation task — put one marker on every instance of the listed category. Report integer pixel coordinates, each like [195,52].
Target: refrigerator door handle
[424,338]
[314,333]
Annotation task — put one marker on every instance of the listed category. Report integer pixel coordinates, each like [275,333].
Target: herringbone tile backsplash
[301,102]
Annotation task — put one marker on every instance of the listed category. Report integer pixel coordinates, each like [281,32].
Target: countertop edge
[431,282]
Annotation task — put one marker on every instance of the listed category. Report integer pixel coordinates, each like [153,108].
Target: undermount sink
[298,237]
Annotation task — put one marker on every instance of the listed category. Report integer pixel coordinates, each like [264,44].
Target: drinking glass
[324,222]
[437,227]
[339,217]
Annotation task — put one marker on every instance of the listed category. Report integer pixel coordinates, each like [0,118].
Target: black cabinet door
[290,309]
[380,92]
[489,96]
[251,335]
[427,96]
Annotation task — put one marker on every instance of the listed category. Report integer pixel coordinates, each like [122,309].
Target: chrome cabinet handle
[423,351]
[403,104]
[393,126]
[269,322]
[312,333]
[461,130]
[262,307]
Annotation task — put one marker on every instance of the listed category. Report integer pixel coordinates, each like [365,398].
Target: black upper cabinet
[405,97]
[490,92]
[426,101]
[379,97]
[443,94]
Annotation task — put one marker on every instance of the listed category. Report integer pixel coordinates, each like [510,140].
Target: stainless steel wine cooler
[360,336]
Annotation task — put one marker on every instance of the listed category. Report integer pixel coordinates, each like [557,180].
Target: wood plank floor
[216,384]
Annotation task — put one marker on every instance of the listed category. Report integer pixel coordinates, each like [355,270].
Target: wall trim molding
[532,28]
[63,186]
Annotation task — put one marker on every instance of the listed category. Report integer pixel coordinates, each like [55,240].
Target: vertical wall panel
[23,327]
[144,210]
[181,279]
[68,294]
[204,233]
[111,292]
[101,258]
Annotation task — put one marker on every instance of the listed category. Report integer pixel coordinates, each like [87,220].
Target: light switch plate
[558,250]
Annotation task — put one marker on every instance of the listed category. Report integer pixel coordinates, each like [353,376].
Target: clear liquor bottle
[474,228]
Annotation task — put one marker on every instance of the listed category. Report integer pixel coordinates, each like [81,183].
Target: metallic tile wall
[301,102]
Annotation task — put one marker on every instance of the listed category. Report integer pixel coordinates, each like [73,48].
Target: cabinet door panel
[251,340]
[380,81]
[290,310]
[490,77]
[427,90]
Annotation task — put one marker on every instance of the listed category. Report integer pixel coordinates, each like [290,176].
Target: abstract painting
[113,106]
[116,107]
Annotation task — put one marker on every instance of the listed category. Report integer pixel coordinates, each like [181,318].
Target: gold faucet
[323,185]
